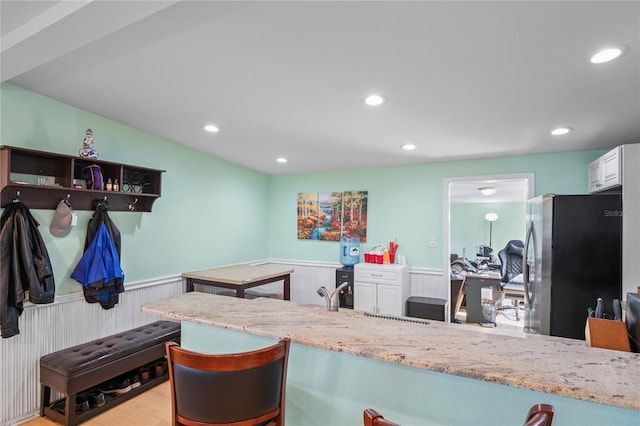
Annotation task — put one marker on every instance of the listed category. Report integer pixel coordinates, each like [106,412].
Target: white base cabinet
[381,289]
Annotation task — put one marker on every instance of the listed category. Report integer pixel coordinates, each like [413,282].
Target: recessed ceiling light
[606,55]
[211,128]
[281,160]
[408,146]
[561,131]
[374,100]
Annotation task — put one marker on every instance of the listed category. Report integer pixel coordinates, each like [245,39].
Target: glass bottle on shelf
[116,187]
[109,185]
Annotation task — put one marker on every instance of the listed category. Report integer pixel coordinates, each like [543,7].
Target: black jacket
[24,266]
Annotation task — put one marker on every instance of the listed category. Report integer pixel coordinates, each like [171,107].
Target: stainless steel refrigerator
[573,255]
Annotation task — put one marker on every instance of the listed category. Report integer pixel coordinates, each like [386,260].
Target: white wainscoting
[67,322]
[309,276]
[428,283]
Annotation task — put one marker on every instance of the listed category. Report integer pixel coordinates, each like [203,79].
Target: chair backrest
[373,418]
[540,415]
[246,388]
[511,260]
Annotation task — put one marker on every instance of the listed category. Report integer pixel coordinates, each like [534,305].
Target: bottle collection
[112,185]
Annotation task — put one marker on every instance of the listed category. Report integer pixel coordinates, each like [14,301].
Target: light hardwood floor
[150,408]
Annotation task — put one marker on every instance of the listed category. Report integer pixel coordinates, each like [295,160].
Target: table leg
[190,286]
[287,287]
[474,302]
[240,292]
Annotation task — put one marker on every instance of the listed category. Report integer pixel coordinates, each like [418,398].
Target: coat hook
[133,204]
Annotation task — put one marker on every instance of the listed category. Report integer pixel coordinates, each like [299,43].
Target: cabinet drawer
[382,275]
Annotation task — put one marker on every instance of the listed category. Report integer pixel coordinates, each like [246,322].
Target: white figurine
[87,150]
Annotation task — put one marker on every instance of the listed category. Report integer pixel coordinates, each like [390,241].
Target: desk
[475,284]
[240,278]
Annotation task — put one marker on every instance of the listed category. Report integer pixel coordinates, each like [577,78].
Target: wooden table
[241,277]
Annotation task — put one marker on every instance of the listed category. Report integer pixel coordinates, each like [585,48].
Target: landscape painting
[354,215]
[326,216]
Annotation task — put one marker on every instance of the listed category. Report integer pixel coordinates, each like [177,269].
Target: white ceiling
[462,79]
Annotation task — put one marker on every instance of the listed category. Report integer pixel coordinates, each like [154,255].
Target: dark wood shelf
[139,187]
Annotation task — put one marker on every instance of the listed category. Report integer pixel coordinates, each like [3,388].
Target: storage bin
[426,308]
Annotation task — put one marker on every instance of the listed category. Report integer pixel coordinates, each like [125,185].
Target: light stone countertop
[553,365]
[239,274]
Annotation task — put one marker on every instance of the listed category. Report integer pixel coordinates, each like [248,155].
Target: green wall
[469,228]
[406,203]
[206,216]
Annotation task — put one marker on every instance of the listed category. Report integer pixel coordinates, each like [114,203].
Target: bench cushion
[87,356]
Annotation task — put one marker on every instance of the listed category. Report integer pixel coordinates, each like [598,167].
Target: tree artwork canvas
[325,216]
[354,216]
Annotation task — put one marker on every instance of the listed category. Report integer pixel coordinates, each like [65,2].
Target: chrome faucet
[332,300]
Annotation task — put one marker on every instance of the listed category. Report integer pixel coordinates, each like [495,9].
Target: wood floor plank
[150,408]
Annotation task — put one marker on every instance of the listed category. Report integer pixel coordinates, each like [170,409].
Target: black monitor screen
[633,320]
[484,251]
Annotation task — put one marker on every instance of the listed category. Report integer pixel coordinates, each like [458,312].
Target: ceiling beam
[67,26]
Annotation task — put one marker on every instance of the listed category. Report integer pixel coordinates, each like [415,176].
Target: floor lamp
[491,217]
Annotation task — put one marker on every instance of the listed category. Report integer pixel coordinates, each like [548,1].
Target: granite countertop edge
[425,346]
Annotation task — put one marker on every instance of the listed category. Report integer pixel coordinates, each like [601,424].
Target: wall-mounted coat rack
[22,169]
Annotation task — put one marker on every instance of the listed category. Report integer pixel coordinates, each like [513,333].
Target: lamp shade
[491,217]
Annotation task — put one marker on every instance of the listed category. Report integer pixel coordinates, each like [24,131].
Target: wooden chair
[373,418]
[540,415]
[239,389]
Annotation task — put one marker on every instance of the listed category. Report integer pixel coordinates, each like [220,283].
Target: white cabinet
[606,171]
[381,289]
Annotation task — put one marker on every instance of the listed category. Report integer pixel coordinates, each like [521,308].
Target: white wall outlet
[432,242]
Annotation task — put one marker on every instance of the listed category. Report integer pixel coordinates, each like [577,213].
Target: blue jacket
[99,269]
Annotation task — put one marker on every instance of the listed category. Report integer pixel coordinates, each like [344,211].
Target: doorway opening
[482,215]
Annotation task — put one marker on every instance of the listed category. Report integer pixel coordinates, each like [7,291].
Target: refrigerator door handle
[528,296]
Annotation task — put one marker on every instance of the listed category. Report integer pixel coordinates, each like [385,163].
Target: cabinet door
[594,172]
[390,300]
[610,169]
[364,296]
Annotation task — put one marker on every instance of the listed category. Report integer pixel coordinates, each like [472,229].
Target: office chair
[240,388]
[512,285]
[373,418]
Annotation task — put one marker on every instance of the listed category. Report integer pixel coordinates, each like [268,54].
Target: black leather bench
[79,368]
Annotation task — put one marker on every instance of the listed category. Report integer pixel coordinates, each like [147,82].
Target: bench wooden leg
[45,398]
[70,410]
